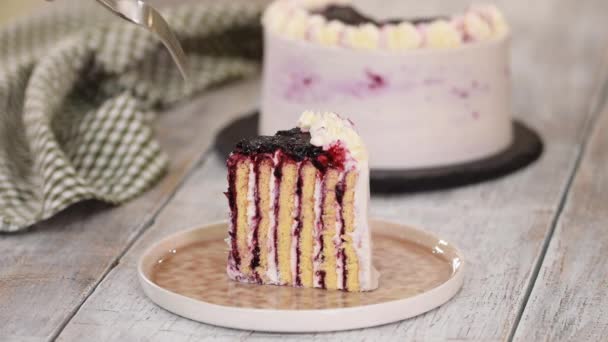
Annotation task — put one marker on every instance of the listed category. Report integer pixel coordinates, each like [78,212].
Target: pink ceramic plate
[185,273]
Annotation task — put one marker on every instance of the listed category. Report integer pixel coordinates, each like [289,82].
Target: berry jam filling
[255,260]
[320,258]
[351,16]
[231,194]
[298,231]
[278,175]
[291,146]
[296,145]
[340,188]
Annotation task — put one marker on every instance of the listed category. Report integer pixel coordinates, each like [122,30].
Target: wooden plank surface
[569,301]
[502,226]
[46,273]
[118,310]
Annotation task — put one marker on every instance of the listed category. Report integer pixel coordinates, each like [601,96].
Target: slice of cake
[298,207]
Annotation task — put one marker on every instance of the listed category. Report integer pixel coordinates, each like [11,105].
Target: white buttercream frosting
[403,36]
[366,36]
[476,27]
[327,128]
[274,17]
[361,236]
[295,19]
[316,21]
[297,25]
[329,33]
[272,269]
[494,17]
[441,34]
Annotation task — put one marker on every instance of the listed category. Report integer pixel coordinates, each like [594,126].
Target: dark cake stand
[527,147]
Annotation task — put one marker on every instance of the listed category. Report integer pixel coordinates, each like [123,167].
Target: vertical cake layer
[351,262]
[328,217]
[265,208]
[317,258]
[307,220]
[286,219]
[339,267]
[242,221]
[272,271]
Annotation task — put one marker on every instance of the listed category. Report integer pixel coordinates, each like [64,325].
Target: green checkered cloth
[78,89]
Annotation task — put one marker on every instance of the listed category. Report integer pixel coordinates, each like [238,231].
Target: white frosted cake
[299,207]
[423,92]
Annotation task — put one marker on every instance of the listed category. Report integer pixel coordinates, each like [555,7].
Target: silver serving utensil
[142,14]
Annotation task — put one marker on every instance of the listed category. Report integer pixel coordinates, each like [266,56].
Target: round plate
[185,273]
[527,147]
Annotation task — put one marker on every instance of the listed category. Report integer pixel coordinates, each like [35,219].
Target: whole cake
[298,207]
[424,92]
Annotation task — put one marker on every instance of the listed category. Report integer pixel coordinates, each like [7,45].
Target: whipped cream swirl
[327,129]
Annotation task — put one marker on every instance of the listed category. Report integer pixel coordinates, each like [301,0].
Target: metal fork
[142,14]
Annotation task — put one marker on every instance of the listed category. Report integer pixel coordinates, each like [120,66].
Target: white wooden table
[536,241]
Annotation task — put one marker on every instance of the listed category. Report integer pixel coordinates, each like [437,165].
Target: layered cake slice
[298,207]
